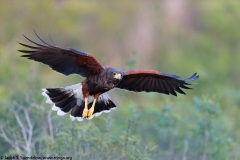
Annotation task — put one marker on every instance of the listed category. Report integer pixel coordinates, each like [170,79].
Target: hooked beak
[117,76]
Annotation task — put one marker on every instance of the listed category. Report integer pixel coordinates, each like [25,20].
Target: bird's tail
[70,99]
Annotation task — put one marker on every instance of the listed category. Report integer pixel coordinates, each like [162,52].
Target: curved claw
[91,110]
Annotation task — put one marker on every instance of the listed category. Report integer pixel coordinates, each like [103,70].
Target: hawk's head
[114,76]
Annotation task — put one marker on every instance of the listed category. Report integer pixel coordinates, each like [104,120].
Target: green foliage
[167,133]
[202,125]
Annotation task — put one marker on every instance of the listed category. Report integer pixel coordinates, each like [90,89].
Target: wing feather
[154,81]
[65,61]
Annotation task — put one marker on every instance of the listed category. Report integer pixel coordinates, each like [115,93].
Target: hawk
[89,98]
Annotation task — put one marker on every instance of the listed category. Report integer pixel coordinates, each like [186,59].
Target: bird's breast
[99,87]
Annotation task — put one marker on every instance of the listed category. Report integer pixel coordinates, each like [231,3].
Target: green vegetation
[179,38]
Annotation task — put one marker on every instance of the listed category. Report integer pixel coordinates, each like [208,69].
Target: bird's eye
[113,73]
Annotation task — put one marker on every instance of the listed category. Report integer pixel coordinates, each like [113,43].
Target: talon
[91,110]
[85,111]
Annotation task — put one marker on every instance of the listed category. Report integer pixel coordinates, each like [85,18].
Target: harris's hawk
[89,98]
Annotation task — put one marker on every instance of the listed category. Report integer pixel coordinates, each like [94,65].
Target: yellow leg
[85,111]
[91,110]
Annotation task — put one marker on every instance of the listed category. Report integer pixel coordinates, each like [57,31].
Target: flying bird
[89,98]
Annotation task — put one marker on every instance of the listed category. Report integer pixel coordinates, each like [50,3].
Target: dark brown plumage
[99,79]
[153,81]
[65,61]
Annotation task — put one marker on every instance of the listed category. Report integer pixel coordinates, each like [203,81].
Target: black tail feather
[104,107]
[70,99]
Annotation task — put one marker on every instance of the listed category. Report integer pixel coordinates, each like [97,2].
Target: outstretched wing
[154,81]
[65,61]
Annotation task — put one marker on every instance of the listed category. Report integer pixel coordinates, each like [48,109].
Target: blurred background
[173,36]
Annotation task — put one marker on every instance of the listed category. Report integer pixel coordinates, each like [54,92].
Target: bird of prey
[89,98]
